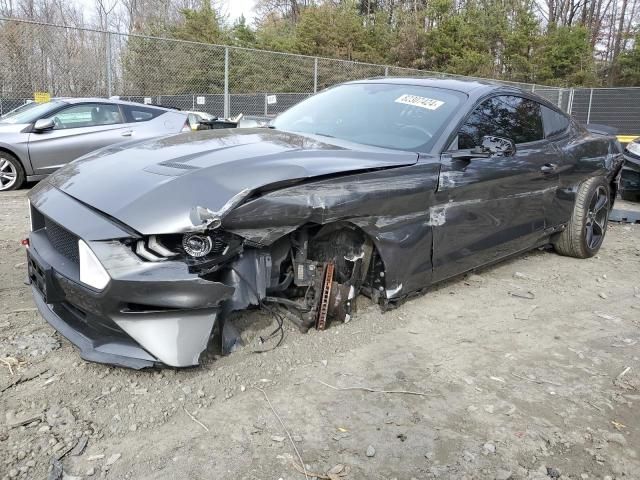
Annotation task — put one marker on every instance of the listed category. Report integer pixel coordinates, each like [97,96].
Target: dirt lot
[511,387]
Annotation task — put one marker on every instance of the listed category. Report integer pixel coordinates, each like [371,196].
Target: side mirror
[498,146]
[43,124]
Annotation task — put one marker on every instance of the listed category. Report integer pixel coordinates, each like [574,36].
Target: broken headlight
[199,250]
[197,245]
[634,148]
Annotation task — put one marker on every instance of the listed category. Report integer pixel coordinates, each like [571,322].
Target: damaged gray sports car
[138,253]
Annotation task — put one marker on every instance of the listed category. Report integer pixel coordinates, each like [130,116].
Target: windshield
[21,108]
[31,112]
[404,117]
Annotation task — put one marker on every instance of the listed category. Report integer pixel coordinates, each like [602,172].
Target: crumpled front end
[265,219]
[137,300]
[630,179]
[147,313]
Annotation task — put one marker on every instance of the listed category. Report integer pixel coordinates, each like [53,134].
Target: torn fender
[392,206]
[187,182]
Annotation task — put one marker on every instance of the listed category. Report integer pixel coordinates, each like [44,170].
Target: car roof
[460,85]
[76,100]
[473,88]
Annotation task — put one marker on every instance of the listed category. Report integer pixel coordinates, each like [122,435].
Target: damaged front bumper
[148,314]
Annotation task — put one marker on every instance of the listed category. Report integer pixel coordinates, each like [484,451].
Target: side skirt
[543,242]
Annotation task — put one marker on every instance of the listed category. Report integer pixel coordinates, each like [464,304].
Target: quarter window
[87,115]
[507,116]
[141,114]
[555,123]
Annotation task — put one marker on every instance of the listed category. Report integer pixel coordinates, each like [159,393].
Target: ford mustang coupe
[139,252]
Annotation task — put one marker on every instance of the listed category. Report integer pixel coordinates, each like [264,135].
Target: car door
[489,208]
[78,129]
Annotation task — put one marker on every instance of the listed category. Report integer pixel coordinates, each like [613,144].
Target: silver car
[38,138]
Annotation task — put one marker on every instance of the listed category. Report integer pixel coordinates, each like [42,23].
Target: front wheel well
[614,188]
[342,243]
[6,150]
[20,178]
[324,268]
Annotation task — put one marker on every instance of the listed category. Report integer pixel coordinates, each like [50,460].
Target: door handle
[549,168]
[128,133]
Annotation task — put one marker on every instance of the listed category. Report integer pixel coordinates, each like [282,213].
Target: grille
[65,242]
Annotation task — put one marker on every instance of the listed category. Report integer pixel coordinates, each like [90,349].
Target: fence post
[589,110]
[572,92]
[226,82]
[266,104]
[386,71]
[108,63]
[559,104]
[315,75]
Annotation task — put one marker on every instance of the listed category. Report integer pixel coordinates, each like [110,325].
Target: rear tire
[12,174]
[585,231]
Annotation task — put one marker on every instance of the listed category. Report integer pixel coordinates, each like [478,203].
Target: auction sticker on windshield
[422,102]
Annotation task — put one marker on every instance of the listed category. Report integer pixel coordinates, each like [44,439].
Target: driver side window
[87,115]
[506,116]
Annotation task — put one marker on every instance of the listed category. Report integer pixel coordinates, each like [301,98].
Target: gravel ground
[507,386]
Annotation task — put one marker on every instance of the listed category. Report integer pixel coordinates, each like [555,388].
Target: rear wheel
[585,232]
[11,172]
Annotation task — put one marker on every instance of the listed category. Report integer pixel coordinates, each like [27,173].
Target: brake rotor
[325,297]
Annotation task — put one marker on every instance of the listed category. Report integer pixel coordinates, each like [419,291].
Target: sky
[232,8]
[235,8]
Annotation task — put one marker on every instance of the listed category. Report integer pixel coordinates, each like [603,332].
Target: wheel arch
[378,259]
[21,165]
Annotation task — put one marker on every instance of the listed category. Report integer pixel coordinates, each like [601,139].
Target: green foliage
[202,25]
[178,67]
[629,64]
[483,38]
[277,35]
[565,57]
[241,35]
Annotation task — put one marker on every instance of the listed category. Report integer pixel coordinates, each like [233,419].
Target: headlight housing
[634,148]
[197,245]
[92,273]
[201,251]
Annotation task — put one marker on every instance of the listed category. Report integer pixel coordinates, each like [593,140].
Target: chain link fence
[221,80]
[616,107]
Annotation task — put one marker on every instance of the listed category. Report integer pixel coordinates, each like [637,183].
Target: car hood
[173,184]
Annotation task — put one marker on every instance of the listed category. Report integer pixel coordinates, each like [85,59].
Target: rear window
[555,123]
[141,114]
